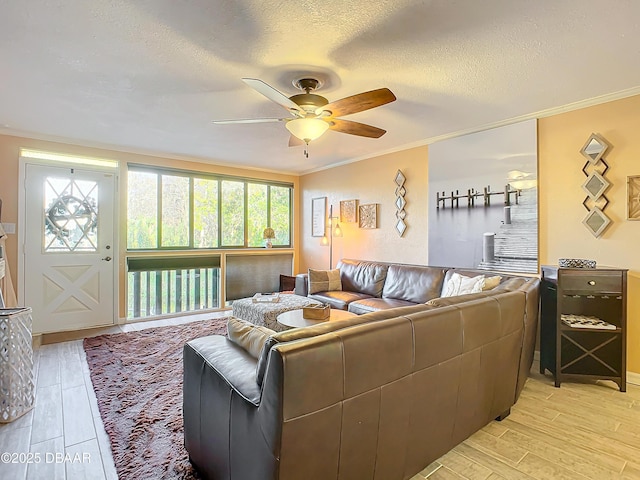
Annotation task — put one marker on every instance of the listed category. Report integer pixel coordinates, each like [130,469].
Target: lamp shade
[268,233]
[307,129]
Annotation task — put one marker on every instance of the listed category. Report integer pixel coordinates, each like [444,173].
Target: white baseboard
[633,378]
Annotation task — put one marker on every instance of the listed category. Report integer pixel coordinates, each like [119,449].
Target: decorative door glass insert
[70,215]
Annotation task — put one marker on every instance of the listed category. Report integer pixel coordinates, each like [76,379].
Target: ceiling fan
[312,115]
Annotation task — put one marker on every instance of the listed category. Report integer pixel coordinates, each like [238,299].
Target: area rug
[137,378]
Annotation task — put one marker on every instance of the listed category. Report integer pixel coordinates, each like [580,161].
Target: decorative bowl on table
[576,263]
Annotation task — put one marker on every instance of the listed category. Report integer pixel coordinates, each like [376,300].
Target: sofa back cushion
[413,283]
[362,276]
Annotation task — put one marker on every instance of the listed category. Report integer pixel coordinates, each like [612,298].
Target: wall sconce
[327,241]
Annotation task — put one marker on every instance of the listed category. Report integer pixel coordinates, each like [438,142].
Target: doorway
[69,255]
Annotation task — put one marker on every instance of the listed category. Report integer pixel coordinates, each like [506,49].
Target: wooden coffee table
[294,318]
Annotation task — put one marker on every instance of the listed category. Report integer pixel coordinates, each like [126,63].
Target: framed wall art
[368,215]
[349,211]
[465,192]
[633,197]
[318,216]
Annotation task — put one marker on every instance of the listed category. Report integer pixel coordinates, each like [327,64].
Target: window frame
[191,175]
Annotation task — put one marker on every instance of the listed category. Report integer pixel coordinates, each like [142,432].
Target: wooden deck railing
[159,292]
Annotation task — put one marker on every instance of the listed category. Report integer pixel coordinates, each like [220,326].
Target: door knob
[107,259]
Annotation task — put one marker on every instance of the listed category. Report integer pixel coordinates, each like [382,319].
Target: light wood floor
[66,419]
[577,431]
[581,430]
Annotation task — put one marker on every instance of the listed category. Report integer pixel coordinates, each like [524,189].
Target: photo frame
[633,197]
[318,216]
[368,215]
[349,211]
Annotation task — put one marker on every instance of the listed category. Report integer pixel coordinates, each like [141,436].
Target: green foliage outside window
[257,214]
[191,210]
[232,213]
[142,210]
[205,213]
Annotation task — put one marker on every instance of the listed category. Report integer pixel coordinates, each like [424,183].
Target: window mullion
[159,213]
[268,205]
[219,213]
[246,215]
[191,212]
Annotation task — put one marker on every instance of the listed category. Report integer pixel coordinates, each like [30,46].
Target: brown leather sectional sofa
[376,396]
[372,286]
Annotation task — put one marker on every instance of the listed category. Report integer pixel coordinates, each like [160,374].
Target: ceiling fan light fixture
[307,129]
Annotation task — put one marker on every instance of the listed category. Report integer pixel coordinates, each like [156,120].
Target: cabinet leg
[557,383]
[503,415]
[542,369]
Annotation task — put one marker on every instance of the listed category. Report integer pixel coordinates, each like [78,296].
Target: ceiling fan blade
[249,120]
[273,94]
[358,103]
[295,141]
[355,128]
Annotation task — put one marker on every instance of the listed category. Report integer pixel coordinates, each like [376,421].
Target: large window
[186,210]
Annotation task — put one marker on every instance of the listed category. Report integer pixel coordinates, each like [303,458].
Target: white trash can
[17,387]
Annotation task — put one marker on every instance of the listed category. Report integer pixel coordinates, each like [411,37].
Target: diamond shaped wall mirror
[595,185]
[595,148]
[596,222]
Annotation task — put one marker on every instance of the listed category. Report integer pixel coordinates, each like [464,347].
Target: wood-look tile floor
[65,420]
[578,431]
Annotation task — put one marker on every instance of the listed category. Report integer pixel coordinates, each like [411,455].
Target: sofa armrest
[220,386]
[232,364]
[302,284]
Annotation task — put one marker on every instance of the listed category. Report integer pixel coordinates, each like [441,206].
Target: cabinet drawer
[604,282]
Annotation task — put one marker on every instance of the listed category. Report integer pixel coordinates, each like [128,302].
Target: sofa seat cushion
[368,305]
[339,299]
[414,284]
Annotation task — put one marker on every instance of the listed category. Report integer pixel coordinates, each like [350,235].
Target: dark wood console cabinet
[570,352]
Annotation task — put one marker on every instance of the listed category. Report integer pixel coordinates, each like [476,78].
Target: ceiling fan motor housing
[309,101]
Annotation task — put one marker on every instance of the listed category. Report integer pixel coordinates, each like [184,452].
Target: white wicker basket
[16,363]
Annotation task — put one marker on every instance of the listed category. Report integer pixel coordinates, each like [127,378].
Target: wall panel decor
[483,200]
[368,215]
[595,185]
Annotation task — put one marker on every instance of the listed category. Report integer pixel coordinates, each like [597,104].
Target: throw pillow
[287,284]
[491,282]
[248,336]
[460,285]
[324,281]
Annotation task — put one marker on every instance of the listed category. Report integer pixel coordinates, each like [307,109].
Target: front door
[68,247]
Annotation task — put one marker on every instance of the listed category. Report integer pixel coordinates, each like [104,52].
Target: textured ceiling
[150,75]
